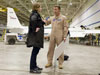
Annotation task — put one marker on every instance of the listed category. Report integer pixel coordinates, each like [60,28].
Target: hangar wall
[89,15]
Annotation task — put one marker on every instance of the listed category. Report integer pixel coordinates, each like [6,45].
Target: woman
[35,36]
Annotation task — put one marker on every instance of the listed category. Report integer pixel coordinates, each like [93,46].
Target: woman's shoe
[35,70]
[40,68]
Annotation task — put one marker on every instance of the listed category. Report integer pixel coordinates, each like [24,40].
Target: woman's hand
[45,21]
[37,29]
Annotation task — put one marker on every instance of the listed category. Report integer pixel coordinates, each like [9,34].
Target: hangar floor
[84,60]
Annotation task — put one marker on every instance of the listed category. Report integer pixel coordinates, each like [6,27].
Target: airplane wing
[74,32]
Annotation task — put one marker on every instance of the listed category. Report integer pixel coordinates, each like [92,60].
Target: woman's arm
[34,23]
[47,21]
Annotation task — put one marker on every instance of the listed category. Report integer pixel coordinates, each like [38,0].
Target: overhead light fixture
[70,3]
[30,10]
[0,8]
[33,1]
[66,14]
[59,0]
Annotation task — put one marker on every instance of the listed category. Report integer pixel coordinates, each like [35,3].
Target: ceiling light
[0,8]
[33,1]
[59,0]
[70,3]
[66,14]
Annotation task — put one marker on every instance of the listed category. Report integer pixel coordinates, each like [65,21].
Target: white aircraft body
[15,31]
[13,23]
[18,31]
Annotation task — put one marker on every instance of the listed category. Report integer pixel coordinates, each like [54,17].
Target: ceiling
[23,8]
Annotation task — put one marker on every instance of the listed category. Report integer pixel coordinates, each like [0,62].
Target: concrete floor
[84,60]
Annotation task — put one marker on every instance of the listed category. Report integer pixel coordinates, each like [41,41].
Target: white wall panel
[89,15]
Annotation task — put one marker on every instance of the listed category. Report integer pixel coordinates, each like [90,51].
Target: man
[58,34]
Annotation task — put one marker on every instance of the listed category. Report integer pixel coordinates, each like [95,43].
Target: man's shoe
[66,57]
[48,65]
[60,67]
[36,71]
